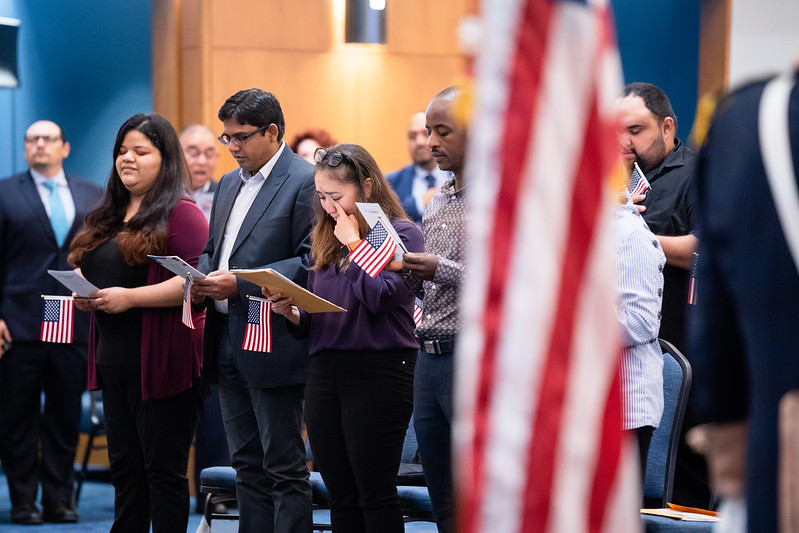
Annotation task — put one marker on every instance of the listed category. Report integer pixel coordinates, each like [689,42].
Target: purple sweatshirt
[379,310]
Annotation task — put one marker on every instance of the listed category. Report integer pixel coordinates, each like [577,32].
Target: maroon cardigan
[171,353]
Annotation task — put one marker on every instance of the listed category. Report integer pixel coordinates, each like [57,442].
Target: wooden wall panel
[294,48]
[714,46]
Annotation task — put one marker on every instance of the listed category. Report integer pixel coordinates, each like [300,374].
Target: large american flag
[258,334]
[57,319]
[537,429]
[375,251]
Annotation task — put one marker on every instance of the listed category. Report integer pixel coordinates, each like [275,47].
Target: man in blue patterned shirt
[436,276]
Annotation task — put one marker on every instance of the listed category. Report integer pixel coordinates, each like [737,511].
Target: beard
[653,156]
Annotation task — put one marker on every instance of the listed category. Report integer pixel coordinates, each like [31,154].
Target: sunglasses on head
[333,159]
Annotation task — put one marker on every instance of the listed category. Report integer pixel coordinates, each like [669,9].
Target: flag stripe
[537,420]
[524,92]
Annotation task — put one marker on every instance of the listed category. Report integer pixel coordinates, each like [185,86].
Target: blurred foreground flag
[537,430]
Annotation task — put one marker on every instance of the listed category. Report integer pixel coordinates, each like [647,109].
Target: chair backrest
[659,481]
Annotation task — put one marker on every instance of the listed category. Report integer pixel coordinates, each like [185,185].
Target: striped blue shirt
[639,266]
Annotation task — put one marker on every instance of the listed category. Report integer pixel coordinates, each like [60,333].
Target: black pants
[28,369]
[357,409]
[148,445]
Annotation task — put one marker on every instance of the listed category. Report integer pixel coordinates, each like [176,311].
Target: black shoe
[60,513]
[26,514]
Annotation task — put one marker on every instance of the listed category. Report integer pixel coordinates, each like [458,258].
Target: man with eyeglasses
[261,218]
[40,211]
[202,156]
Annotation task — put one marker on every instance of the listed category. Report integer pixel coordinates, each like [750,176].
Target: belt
[438,346]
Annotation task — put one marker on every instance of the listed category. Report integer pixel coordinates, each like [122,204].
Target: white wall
[764,38]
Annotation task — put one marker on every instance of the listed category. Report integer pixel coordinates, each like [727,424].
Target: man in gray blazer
[40,211]
[261,218]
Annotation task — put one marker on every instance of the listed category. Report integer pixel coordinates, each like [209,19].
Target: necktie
[58,217]
[431,181]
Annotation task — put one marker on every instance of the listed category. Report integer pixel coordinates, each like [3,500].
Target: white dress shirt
[246,196]
[60,180]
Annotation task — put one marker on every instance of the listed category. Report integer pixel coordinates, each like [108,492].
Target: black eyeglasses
[239,139]
[334,159]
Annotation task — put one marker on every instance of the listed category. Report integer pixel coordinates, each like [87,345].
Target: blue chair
[661,461]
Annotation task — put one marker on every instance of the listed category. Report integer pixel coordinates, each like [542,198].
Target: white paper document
[372,213]
[74,282]
[177,265]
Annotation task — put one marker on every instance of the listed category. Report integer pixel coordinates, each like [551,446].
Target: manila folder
[276,282]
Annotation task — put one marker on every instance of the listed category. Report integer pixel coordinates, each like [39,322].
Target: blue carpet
[96,510]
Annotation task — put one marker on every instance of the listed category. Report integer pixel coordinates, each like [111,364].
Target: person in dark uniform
[744,344]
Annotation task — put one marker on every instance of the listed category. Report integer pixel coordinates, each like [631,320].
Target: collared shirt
[444,226]
[671,210]
[639,283]
[59,179]
[420,185]
[251,186]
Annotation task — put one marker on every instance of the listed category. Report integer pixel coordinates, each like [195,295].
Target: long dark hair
[358,165]
[146,232]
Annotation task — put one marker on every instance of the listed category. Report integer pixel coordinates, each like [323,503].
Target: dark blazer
[275,234]
[28,249]
[402,182]
[744,345]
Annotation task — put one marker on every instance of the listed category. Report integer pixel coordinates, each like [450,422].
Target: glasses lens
[319,155]
[335,159]
[49,139]
[224,139]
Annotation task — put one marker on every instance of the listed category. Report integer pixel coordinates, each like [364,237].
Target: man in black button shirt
[647,130]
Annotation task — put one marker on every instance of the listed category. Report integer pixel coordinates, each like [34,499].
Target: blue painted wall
[659,43]
[83,64]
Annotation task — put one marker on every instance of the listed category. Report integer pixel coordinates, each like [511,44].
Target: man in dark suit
[40,211]
[199,148]
[744,344]
[418,182]
[261,218]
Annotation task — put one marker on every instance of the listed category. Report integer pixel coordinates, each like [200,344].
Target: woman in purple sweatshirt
[359,394]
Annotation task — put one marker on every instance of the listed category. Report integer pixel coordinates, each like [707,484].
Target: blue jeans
[432,416]
[264,432]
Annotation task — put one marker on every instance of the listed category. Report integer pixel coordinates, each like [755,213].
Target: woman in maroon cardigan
[146,361]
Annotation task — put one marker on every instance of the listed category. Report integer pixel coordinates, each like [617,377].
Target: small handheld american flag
[375,251]
[258,335]
[417,312]
[57,319]
[187,302]
[638,183]
[692,281]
